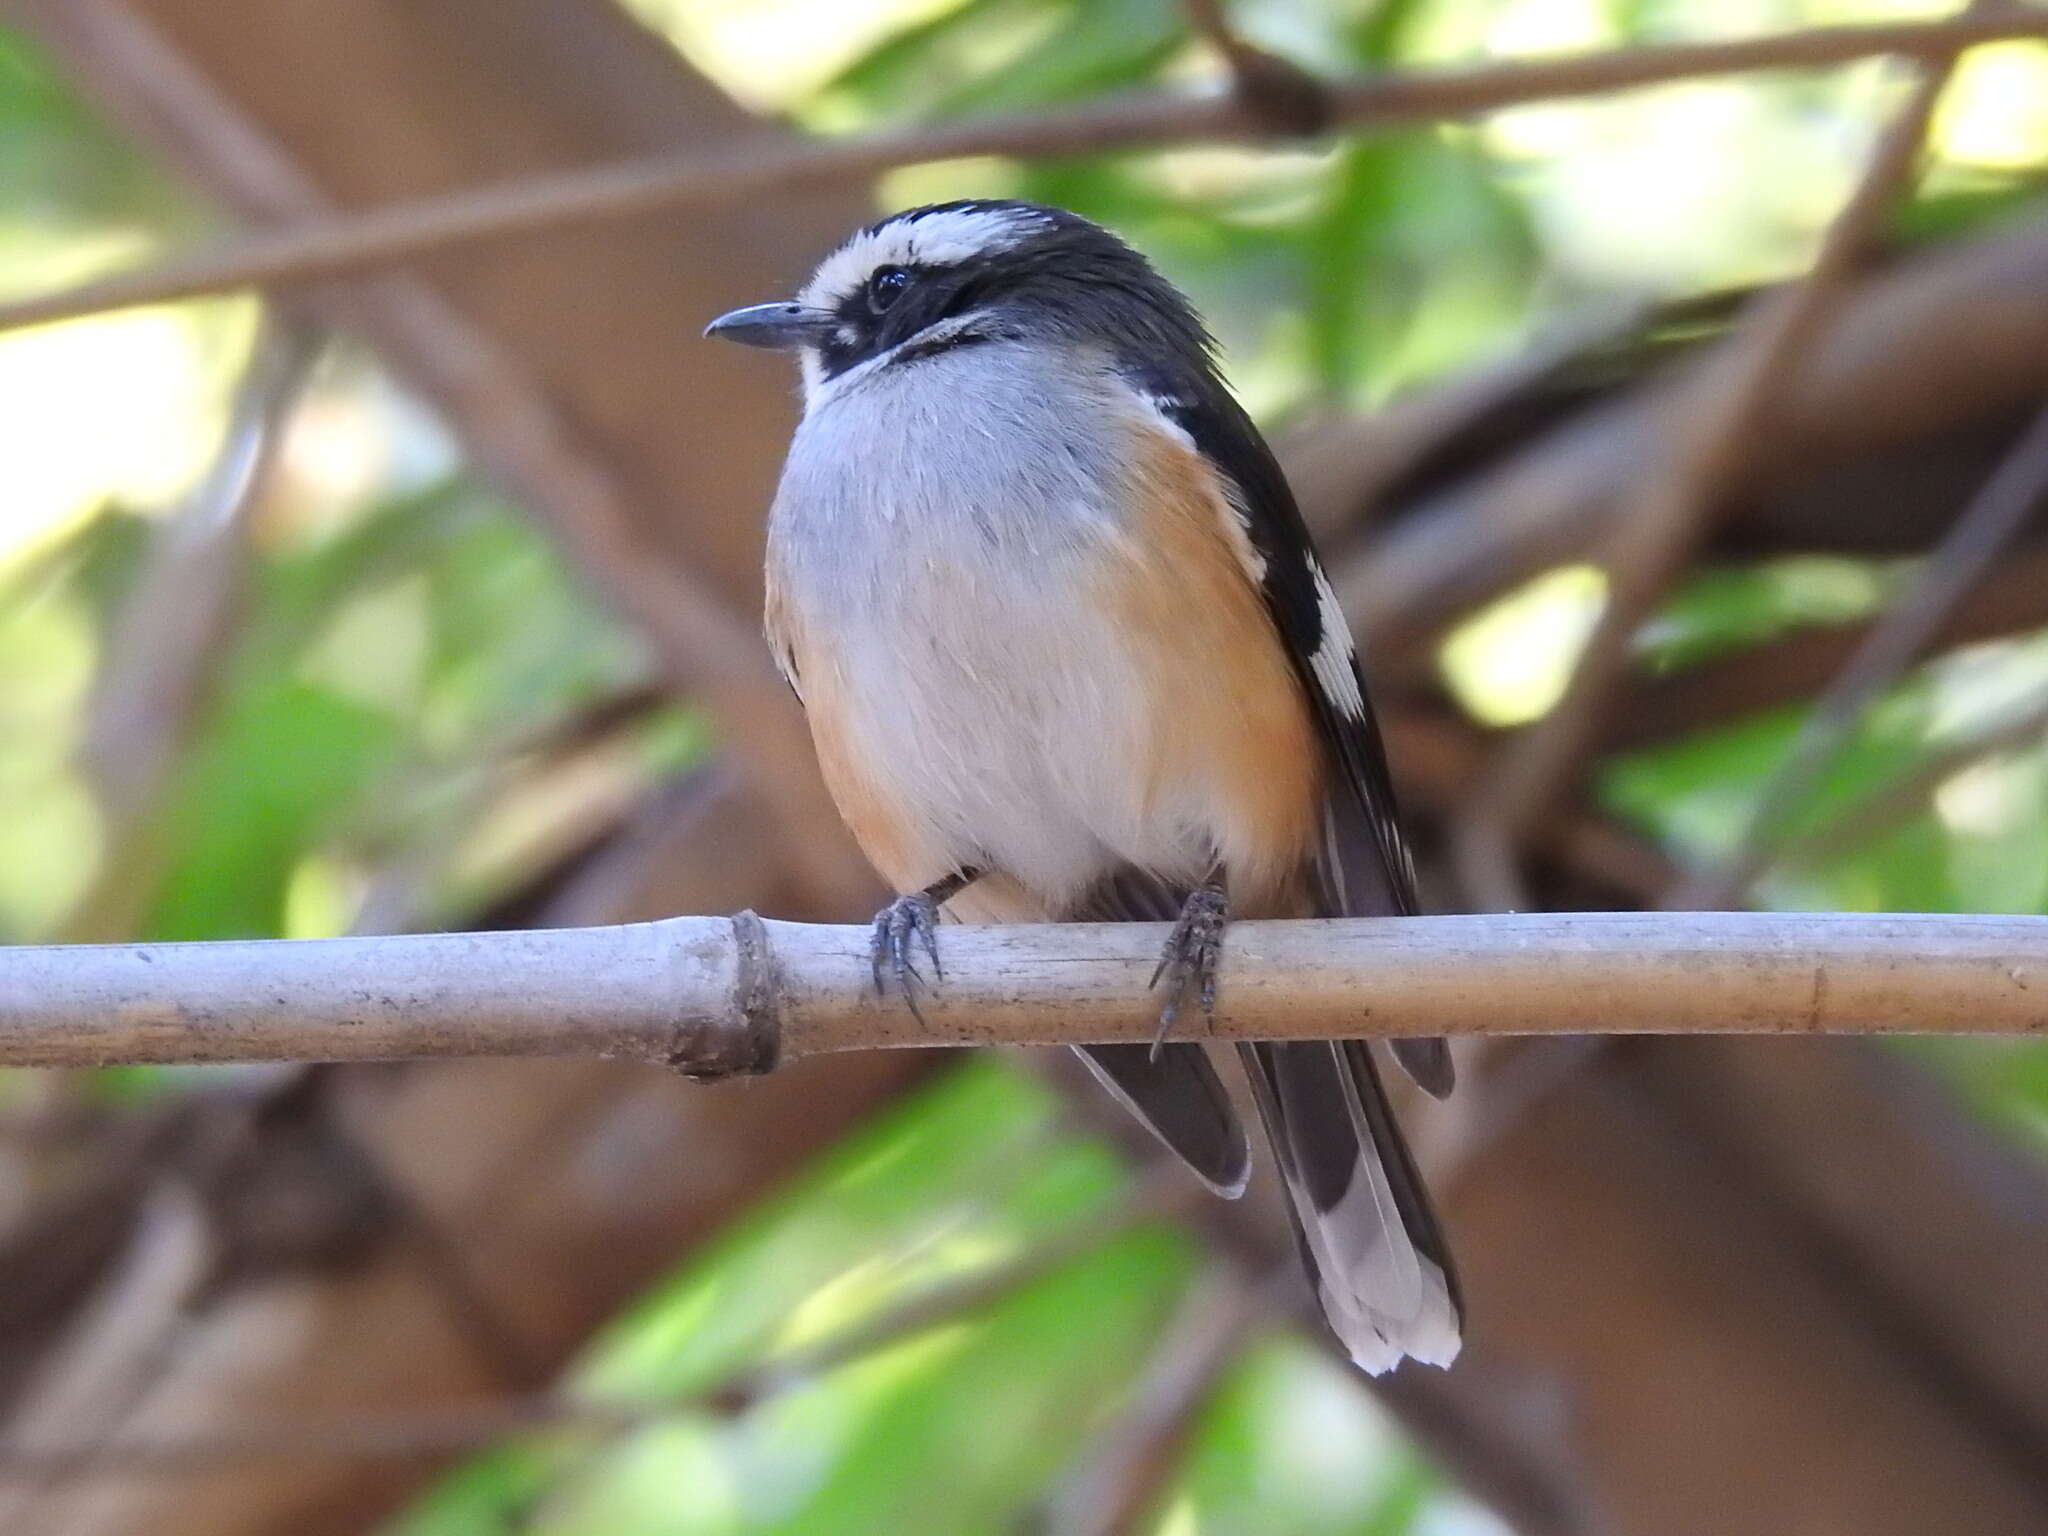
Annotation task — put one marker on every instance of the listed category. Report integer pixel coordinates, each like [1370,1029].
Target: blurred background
[426,598]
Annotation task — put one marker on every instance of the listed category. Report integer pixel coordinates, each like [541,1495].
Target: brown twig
[117,1350]
[437,1433]
[1934,346]
[1346,467]
[333,247]
[1988,525]
[1653,541]
[1276,92]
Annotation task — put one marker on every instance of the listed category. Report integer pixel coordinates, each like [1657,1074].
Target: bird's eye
[886,286]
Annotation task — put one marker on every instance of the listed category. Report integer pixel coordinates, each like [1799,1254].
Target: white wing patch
[1334,665]
[936,239]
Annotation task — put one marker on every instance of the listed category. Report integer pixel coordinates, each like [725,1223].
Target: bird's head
[929,280]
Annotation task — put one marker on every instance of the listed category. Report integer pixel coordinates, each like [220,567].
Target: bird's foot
[1190,959]
[899,929]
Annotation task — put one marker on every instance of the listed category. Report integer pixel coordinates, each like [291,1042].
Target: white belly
[1016,741]
[945,599]
[1027,641]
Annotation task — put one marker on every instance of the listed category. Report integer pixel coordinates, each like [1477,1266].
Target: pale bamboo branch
[331,248]
[715,996]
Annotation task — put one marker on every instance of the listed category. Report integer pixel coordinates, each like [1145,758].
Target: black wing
[1383,1271]
[1366,869]
[1173,1091]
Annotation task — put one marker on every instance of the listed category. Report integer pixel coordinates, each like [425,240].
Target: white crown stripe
[934,239]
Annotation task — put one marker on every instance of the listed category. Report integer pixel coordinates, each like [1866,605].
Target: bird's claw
[1191,957]
[899,928]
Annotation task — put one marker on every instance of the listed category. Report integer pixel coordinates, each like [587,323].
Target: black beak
[772,325]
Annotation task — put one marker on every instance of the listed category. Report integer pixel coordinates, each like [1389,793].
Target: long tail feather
[1367,1231]
[1181,1101]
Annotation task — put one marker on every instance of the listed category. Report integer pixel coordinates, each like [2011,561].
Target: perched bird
[1067,655]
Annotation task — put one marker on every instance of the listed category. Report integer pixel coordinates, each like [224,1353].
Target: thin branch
[178,611]
[1277,93]
[2022,725]
[1654,540]
[1133,1459]
[2009,600]
[716,996]
[1996,516]
[1928,349]
[118,1350]
[173,629]
[331,248]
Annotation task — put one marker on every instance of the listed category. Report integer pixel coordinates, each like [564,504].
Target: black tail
[1367,1232]
[1179,1099]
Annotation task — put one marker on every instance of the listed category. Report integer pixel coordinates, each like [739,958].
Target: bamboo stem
[715,996]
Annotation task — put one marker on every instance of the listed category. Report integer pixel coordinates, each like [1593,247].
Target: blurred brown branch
[1987,527]
[1275,92]
[437,1432]
[180,608]
[715,996]
[1657,537]
[1937,344]
[334,247]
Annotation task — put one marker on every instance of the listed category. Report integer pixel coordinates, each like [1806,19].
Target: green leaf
[1957,212]
[1291,1444]
[999,55]
[1420,260]
[273,776]
[1725,608]
[964,1175]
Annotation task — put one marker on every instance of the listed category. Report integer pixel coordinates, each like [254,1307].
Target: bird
[1067,654]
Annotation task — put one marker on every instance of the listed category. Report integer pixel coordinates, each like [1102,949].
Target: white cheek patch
[935,240]
[818,389]
[1336,672]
